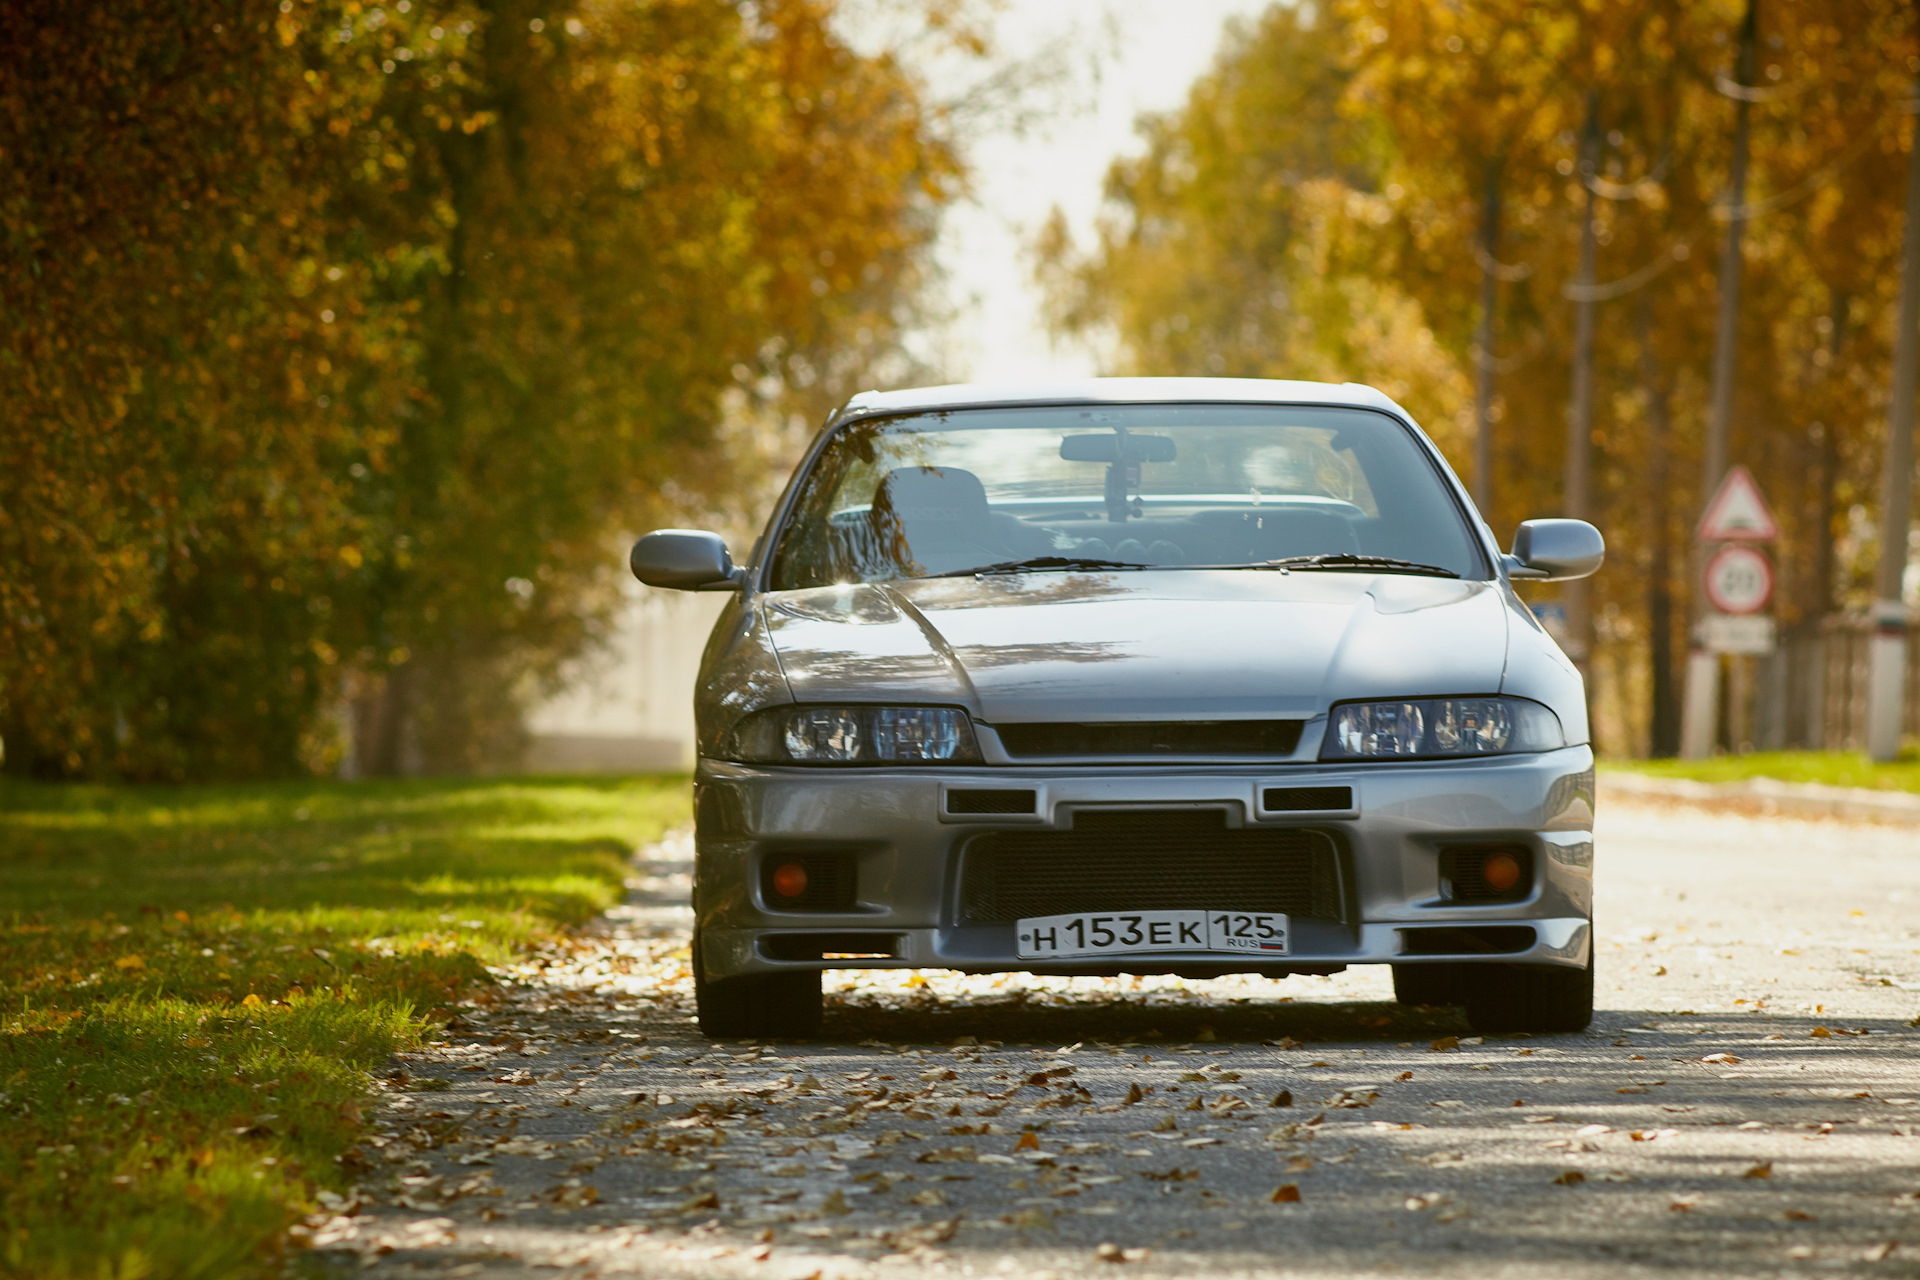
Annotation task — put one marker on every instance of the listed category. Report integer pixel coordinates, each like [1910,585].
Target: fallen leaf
[1030,1141]
[1443,1044]
[1133,1095]
[835,1203]
[1762,1170]
[1284,1098]
[1796,1215]
[1819,1033]
[1727,1058]
[1570,1178]
[956,1155]
[1287,1194]
[1109,1253]
[1880,1252]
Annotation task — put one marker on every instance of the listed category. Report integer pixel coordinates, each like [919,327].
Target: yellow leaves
[130,963]
[1762,1170]
[252,1001]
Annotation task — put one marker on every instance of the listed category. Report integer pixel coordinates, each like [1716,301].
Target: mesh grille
[1008,800]
[1154,738]
[1161,861]
[1297,799]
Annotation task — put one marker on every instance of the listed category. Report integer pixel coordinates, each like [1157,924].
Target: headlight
[1428,727]
[854,735]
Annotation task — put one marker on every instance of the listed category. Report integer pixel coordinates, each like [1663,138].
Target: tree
[342,340]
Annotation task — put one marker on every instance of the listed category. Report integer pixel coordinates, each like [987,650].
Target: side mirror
[1555,550]
[685,560]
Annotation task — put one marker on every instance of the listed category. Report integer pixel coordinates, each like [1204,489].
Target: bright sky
[1148,53]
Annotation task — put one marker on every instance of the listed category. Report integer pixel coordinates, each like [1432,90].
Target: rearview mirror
[1555,550]
[685,560]
[1106,447]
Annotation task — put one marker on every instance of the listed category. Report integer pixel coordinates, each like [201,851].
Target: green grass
[195,982]
[1833,768]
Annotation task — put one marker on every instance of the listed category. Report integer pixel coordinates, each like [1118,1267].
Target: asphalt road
[1745,1105]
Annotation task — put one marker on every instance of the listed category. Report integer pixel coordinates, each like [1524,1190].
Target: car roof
[1120,390]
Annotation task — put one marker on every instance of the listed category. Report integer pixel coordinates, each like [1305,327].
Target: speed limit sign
[1739,580]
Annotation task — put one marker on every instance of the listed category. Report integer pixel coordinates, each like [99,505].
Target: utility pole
[1887,670]
[1578,497]
[1483,343]
[1700,710]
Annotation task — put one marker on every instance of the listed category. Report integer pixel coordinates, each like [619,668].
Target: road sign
[1739,580]
[1738,513]
[1742,633]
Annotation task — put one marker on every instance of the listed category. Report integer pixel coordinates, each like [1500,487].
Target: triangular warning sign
[1738,513]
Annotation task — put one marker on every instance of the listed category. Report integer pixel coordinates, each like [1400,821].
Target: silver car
[1137,676]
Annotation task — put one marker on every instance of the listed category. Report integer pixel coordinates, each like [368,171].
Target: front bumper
[894,829]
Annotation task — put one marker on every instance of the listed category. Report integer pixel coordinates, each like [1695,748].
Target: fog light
[1501,872]
[790,879]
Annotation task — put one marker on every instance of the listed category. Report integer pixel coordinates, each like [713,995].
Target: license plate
[1145,932]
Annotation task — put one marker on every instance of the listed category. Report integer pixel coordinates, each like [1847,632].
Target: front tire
[1426,984]
[756,1006]
[1529,997]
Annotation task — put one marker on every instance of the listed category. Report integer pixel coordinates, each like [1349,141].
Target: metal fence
[1812,691]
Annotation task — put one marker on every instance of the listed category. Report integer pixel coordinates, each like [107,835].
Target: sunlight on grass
[194,983]
[1830,768]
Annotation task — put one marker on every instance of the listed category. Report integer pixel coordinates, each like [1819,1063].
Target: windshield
[1162,486]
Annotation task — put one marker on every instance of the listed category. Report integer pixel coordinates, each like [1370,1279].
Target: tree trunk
[1663,719]
[1483,343]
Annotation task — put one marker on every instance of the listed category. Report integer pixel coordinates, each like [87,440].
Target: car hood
[1162,644]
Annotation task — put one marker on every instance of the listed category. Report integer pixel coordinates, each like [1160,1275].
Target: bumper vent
[828,881]
[1131,860]
[1467,940]
[1154,738]
[1487,872]
[1305,799]
[994,800]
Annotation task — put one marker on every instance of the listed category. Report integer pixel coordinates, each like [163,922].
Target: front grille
[1154,738]
[1305,799]
[991,800]
[1135,860]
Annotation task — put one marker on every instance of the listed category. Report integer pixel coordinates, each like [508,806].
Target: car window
[1158,485]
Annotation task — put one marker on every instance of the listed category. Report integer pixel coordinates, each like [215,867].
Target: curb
[1770,795]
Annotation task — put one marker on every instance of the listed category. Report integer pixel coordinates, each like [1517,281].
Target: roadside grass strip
[1828,768]
[195,983]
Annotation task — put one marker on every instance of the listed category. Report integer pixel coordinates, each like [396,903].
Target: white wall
[629,707]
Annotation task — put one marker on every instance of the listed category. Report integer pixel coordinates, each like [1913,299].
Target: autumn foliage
[1318,208]
[340,340]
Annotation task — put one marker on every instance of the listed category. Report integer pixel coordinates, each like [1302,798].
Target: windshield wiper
[1040,562]
[1345,560]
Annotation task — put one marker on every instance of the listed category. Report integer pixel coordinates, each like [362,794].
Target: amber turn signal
[790,879]
[1501,871]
